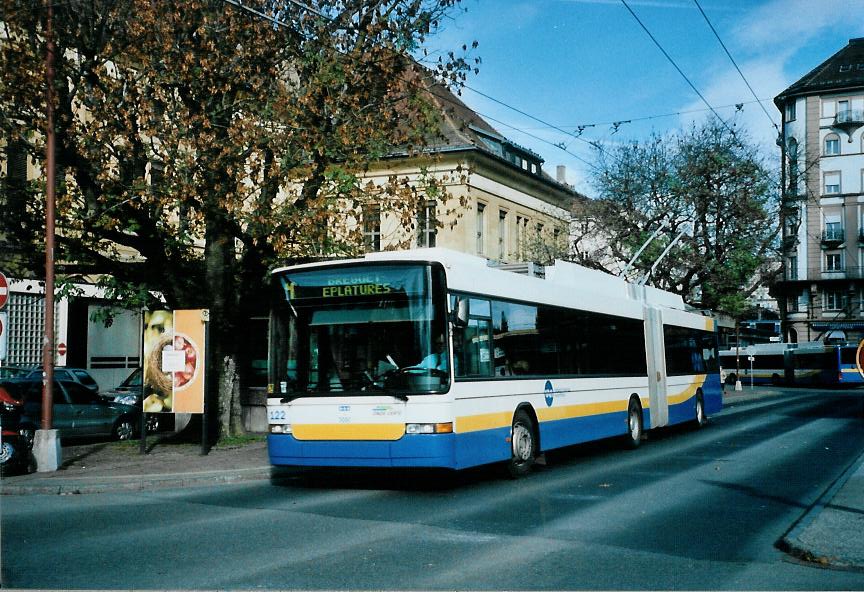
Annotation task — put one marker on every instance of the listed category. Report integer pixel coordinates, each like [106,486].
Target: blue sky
[583,62]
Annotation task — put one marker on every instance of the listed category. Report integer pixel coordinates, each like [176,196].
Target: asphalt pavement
[829,533]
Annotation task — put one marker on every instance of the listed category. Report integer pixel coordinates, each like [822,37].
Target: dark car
[77,411]
[129,392]
[79,375]
[13,372]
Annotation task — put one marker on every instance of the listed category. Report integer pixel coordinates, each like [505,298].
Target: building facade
[821,293]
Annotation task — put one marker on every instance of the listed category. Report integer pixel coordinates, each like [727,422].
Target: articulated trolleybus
[432,358]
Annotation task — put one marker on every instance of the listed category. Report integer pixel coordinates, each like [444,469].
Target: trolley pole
[46,447]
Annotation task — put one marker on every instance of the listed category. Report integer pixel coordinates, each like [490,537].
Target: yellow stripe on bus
[503,419]
[687,393]
[348,431]
[485,421]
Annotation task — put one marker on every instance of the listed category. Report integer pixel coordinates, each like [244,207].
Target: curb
[136,482]
[788,542]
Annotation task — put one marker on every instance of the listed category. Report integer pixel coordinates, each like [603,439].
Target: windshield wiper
[399,396]
[290,398]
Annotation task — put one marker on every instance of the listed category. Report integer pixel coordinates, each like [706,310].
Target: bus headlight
[281,428]
[429,428]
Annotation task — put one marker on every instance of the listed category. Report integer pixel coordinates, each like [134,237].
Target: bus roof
[563,283]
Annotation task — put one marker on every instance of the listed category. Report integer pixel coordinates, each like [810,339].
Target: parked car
[77,411]
[13,372]
[129,392]
[14,446]
[79,375]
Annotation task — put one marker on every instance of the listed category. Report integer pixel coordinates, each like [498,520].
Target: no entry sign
[4,290]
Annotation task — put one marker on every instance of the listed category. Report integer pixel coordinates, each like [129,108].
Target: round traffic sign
[61,349]
[4,290]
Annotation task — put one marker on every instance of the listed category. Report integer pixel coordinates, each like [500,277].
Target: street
[689,509]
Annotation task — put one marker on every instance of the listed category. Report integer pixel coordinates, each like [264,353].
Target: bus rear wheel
[701,418]
[634,423]
[523,445]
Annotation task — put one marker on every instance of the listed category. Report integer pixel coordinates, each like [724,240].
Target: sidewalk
[111,466]
[831,533]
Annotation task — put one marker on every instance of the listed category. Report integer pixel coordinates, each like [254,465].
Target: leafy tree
[199,142]
[707,185]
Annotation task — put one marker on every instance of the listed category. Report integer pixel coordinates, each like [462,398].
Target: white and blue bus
[432,358]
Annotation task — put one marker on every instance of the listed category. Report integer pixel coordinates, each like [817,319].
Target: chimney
[561,174]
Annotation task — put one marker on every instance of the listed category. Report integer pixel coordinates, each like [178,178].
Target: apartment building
[501,204]
[821,293]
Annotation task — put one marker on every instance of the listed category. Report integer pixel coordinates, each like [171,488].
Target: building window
[521,236]
[790,111]
[502,235]
[832,183]
[833,230]
[481,224]
[832,145]
[832,300]
[15,199]
[427,225]
[792,268]
[842,110]
[833,262]
[372,227]
[792,155]
[792,304]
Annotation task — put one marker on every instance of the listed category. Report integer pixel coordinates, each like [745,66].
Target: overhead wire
[734,63]
[678,68]
[561,146]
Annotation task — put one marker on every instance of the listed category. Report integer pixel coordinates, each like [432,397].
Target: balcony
[847,273]
[849,121]
[833,238]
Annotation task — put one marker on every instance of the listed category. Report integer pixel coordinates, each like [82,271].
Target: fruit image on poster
[174,361]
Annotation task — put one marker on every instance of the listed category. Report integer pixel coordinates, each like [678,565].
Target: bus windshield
[359,329]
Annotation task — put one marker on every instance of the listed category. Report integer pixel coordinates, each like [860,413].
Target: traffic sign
[61,349]
[4,290]
[4,334]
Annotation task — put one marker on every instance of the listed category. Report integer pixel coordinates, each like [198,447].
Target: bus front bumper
[416,450]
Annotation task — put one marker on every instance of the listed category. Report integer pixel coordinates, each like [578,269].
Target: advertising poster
[174,361]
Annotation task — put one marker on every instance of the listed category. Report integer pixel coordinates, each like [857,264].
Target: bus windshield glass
[358,330]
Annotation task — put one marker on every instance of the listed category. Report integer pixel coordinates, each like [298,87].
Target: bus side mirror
[460,315]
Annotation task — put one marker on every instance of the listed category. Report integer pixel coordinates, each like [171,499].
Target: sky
[550,67]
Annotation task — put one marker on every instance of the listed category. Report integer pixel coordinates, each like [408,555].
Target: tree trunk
[219,265]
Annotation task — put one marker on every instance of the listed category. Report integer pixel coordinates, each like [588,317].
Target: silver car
[66,374]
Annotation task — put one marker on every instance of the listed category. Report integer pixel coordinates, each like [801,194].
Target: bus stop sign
[4,290]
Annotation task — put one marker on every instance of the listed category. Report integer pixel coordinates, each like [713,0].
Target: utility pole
[46,447]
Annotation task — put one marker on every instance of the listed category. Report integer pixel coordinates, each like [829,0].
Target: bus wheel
[523,445]
[634,423]
[701,418]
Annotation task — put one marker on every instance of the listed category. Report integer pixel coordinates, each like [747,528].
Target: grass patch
[240,440]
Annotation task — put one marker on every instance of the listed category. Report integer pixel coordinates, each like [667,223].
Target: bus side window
[471,346]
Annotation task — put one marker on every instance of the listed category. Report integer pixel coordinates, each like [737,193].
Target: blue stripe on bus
[460,451]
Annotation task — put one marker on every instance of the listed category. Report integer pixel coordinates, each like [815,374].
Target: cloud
[767,78]
[777,22]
